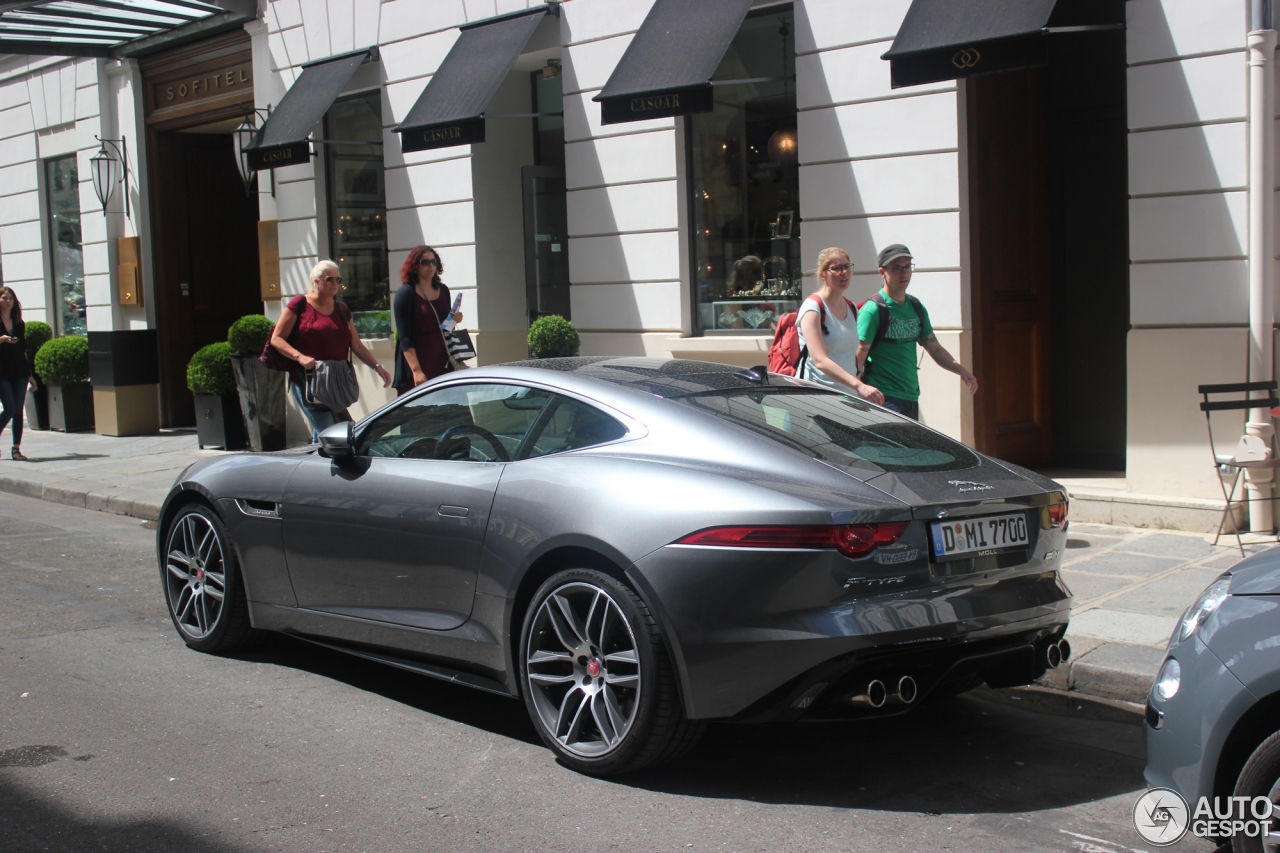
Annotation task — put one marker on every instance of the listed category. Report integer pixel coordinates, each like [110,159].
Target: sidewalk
[1131,585]
[127,476]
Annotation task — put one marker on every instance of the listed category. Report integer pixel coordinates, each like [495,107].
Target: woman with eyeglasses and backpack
[419,307]
[315,328]
[828,330]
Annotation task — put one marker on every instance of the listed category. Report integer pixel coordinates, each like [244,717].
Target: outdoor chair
[1251,451]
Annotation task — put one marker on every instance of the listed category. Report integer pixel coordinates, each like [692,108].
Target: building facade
[1079,219]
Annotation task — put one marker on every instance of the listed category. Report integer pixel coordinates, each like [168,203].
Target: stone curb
[1120,672]
[88,494]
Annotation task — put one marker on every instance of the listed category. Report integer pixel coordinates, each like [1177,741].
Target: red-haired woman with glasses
[419,307]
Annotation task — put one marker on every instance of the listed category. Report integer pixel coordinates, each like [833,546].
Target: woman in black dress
[419,307]
[14,370]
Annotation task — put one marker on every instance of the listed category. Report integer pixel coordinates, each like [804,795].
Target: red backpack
[785,353]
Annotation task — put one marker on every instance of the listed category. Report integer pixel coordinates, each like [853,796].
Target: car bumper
[754,633]
[1182,753]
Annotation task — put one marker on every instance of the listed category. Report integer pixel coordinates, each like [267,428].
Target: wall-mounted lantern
[109,169]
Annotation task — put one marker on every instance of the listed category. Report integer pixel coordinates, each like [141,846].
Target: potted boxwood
[62,364]
[218,420]
[261,390]
[37,405]
[552,336]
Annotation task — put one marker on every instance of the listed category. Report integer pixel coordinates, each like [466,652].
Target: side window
[478,423]
[571,425]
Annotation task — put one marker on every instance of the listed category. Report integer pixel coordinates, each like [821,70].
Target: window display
[744,177]
[358,209]
[62,184]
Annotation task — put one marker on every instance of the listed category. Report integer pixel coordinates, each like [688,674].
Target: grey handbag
[333,384]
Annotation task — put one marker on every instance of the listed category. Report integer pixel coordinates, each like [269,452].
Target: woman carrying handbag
[317,327]
[419,307]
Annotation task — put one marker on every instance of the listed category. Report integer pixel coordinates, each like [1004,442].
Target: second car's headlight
[1205,605]
[1169,679]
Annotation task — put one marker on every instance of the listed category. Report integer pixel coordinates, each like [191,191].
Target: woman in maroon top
[419,307]
[325,332]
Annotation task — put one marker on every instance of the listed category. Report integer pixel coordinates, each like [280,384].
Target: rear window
[839,429]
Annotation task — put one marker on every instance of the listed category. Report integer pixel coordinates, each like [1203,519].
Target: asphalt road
[115,736]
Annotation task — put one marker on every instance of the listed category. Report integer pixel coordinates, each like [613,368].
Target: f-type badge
[970,486]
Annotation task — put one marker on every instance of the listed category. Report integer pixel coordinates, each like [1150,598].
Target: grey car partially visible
[633,547]
[1213,714]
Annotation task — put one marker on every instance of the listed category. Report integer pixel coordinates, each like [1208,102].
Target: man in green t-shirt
[890,362]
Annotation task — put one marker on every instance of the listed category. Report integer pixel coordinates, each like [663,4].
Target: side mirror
[337,441]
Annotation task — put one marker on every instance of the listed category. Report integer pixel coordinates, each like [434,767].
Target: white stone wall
[630,289]
[880,165]
[1188,238]
[50,107]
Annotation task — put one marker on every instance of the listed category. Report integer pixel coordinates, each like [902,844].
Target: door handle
[453,511]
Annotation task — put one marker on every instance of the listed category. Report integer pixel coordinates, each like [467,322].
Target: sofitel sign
[208,85]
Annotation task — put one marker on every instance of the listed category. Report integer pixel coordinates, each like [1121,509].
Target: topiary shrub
[553,336]
[63,361]
[249,334]
[209,371]
[37,335]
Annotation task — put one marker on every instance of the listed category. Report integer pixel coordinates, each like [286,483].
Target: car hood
[1258,575]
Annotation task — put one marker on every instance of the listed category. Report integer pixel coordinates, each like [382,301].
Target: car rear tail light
[852,540]
[1058,514]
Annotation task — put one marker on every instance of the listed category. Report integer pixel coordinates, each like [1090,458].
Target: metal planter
[71,407]
[262,402]
[218,421]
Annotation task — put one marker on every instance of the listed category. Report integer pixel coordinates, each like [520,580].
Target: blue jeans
[906,408]
[318,418]
[13,393]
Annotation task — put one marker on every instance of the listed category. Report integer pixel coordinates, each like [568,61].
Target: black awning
[667,68]
[949,39]
[450,111]
[283,140]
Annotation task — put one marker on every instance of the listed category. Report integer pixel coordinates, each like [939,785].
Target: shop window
[358,209]
[744,180]
[67,257]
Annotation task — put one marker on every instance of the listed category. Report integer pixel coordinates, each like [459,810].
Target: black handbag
[458,342]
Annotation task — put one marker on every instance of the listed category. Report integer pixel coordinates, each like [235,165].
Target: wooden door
[1009,242]
[206,256]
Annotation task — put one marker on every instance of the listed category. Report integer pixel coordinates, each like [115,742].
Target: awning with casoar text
[667,68]
[451,109]
[284,139]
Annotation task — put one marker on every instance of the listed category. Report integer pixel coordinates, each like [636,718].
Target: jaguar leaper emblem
[970,486]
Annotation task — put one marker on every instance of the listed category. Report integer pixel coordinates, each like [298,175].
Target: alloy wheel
[583,669]
[195,575]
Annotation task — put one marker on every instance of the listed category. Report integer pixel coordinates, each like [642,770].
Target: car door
[394,533]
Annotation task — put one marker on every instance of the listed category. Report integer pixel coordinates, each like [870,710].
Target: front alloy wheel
[596,676]
[202,583]
[1261,778]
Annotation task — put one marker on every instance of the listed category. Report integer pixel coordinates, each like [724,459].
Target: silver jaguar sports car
[633,547]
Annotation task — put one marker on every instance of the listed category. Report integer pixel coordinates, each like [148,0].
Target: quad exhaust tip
[907,690]
[875,695]
[1056,653]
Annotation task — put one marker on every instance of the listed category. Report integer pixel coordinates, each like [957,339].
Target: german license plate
[979,537]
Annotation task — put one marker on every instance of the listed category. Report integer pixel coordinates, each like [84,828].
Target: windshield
[841,430]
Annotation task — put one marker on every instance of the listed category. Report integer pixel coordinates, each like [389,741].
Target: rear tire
[202,583]
[1261,778]
[597,679]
